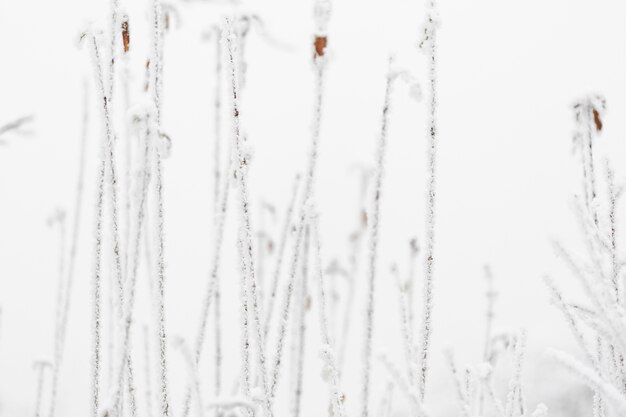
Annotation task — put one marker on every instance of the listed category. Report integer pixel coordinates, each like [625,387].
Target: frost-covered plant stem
[212,285]
[612,195]
[217,107]
[106,160]
[60,345]
[156,62]
[426,327]
[461,394]
[280,255]
[156,87]
[328,351]
[40,367]
[410,282]
[373,232]
[192,369]
[386,403]
[591,379]
[408,390]
[590,162]
[299,335]
[147,375]
[114,5]
[245,241]
[160,263]
[123,359]
[407,334]
[515,401]
[571,321]
[58,220]
[216,192]
[355,255]
[307,194]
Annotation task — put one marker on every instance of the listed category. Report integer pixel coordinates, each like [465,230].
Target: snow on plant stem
[123,359]
[299,331]
[245,234]
[322,14]
[71,264]
[592,379]
[280,255]
[156,86]
[40,367]
[212,285]
[373,232]
[430,45]
[107,159]
[327,350]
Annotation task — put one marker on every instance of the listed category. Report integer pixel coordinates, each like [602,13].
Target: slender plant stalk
[192,369]
[123,360]
[60,345]
[213,282]
[407,334]
[354,258]
[147,374]
[58,219]
[280,255]
[426,327]
[328,351]
[106,160]
[245,242]
[319,61]
[156,85]
[40,367]
[373,229]
[218,299]
[299,339]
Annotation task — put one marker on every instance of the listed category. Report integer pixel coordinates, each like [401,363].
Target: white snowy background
[508,74]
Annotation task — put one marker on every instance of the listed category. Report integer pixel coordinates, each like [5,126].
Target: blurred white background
[508,74]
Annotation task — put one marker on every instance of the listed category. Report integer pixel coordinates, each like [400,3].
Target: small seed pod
[320,46]
[125,35]
[596,119]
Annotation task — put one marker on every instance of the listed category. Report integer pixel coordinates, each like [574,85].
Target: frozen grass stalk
[430,45]
[356,246]
[156,86]
[40,368]
[245,240]
[407,334]
[299,334]
[322,14]
[97,281]
[330,372]
[280,254]
[373,229]
[60,344]
[212,285]
[123,361]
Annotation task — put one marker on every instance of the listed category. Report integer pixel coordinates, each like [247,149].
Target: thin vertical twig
[328,350]
[245,241]
[60,344]
[373,232]
[426,327]
[299,336]
[322,15]
[280,255]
